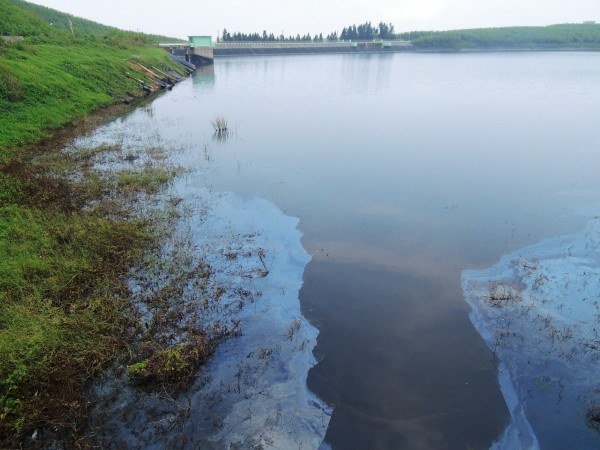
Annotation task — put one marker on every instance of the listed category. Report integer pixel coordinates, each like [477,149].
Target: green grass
[60,308]
[46,86]
[64,244]
[150,180]
[177,363]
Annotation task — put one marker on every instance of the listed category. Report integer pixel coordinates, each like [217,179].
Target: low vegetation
[67,234]
[62,300]
[586,35]
[51,79]
[46,86]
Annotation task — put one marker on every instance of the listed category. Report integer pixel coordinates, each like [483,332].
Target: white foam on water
[538,309]
[259,378]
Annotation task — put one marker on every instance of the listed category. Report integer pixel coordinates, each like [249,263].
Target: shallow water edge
[538,310]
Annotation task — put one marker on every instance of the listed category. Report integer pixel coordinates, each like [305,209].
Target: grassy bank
[46,86]
[65,241]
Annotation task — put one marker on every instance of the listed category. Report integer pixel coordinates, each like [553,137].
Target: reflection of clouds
[580,193]
[384,210]
[415,430]
[431,261]
[396,238]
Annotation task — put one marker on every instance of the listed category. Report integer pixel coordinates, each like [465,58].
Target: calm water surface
[404,169]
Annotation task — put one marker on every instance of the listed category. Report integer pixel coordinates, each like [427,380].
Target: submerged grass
[150,180]
[62,300]
[177,363]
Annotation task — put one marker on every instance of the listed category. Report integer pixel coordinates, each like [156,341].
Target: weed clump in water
[221,128]
[219,123]
[174,364]
[501,294]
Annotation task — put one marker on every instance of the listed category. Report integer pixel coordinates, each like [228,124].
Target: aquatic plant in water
[219,123]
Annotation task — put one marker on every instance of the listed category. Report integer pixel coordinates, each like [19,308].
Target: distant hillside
[58,20]
[585,35]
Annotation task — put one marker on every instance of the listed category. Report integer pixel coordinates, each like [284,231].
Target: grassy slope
[52,79]
[44,86]
[548,37]
[81,27]
[61,301]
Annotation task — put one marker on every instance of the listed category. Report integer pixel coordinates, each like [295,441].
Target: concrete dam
[200,50]
[292,48]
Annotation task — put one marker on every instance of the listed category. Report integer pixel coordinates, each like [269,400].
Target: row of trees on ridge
[365,31]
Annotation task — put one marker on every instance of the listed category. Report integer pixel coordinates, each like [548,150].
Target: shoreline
[296,333]
[247,292]
[241,394]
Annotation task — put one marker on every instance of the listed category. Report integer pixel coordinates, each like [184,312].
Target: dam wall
[291,48]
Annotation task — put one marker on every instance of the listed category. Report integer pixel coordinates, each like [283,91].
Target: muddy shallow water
[403,170]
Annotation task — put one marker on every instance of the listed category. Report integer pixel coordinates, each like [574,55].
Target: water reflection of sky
[403,169]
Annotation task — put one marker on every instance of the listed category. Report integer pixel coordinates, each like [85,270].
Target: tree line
[365,31]
[583,35]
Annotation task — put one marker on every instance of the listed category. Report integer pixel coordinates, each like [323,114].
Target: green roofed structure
[200,41]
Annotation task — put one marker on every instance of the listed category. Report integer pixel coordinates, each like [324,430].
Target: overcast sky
[180,18]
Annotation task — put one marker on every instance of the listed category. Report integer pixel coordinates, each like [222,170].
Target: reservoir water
[404,170]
